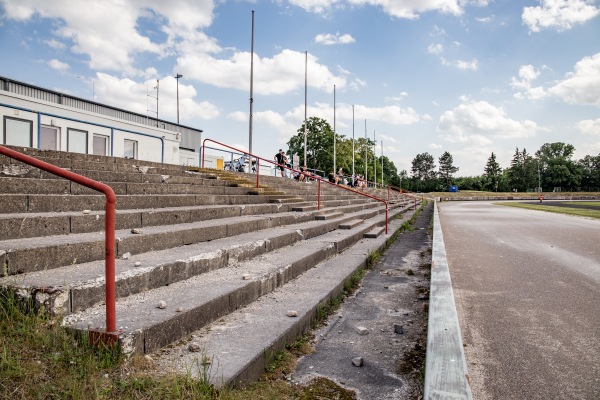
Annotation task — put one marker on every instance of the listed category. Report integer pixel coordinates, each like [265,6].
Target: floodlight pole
[334,163]
[251,87]
[366,154]
[374,159]
[305,100]
[352,141]
[382,164]
[177,78]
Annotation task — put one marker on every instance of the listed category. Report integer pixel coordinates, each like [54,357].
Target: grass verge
[559,210]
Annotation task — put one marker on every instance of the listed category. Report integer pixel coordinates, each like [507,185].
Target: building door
[100,145]
[49,138]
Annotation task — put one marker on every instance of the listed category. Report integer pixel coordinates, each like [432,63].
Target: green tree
[522,171]
[423,172]
[590,167]
[390,172]
[492,174]
[319,153]
[557,167]
[446,168]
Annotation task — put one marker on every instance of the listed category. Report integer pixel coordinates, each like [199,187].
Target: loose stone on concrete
[362,330]
[358,361]
[194,347]
[399,329]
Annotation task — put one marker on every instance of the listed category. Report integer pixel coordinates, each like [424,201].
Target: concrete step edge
[251,347]
[177,325]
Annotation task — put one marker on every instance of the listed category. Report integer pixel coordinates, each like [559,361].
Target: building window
[18,132]
[100,145]
[77,141]
[130,149]
[49,138]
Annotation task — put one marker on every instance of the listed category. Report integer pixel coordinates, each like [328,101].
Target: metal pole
[352,141]
[366,155]
[251,85]
[305,99]
[157,84]
[374,159]
[334,164]
[177,77]
[382,164]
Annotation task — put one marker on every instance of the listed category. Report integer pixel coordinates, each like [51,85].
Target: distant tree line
[552,167]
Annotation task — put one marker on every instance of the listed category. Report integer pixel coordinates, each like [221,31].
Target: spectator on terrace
[281,159]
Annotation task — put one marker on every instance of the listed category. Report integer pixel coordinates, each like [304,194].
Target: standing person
[541,198]
[280,160]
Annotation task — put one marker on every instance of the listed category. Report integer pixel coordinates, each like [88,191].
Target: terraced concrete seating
[198,244]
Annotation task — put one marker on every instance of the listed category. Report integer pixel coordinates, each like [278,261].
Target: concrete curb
[446,375]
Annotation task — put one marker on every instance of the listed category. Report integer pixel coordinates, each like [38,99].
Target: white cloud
[582,86]
[316,6]
[472,65]
[523,84]
[435,48]
[329,38]
[558,14]
[106,31]
[282,73]
[435,146]
[589,126]
[409,9]
[58,65]
[479,121]
[397,98]
[130,95]
[55,44]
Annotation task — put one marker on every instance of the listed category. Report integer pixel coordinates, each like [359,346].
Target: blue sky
[470,77]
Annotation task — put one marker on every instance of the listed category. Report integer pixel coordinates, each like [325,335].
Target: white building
[35,117]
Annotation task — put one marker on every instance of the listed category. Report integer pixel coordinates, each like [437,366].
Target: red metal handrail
[109,237]
[318,178]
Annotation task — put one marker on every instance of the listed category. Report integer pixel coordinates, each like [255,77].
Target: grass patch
[559,210]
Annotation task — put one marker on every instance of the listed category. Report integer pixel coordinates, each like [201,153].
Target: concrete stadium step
[351,224]
[34,254]
[62,186]
[75,287]
[201,299]
[76,160]
[37,203]
[329,215]
[27,225]
[375,233]
[238,345]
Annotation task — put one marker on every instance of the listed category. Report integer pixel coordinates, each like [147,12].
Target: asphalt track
[527,289]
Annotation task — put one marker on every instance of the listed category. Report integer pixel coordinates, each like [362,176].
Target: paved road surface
[527,288]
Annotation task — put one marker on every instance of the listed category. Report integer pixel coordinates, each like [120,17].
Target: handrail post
[109,216]
[386,218]
[319,194]
[257,172]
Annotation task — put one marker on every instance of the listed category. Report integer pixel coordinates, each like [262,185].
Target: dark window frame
[6,118]
[87,133]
